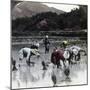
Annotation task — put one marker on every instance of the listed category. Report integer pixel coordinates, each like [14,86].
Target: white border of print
[5,44]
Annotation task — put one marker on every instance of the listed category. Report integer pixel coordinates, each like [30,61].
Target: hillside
[31,21]
[27,9]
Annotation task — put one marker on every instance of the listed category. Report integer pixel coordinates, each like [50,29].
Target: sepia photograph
[49,44]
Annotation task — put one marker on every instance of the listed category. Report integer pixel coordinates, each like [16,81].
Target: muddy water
[30,77]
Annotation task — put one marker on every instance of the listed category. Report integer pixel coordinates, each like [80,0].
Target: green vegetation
[74,21]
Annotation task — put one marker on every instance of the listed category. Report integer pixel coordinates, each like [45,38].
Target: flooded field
[34,76]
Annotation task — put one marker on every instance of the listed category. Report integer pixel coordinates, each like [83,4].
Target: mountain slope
[27,9]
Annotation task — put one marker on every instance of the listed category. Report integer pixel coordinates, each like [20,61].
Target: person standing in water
[47,44]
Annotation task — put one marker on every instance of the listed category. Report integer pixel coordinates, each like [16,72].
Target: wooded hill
[74,21]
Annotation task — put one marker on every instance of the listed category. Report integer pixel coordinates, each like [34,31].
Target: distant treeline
[48,21]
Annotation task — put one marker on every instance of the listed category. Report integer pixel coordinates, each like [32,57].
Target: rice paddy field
[34,76]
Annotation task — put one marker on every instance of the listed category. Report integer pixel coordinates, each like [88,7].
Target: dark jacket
[57,56]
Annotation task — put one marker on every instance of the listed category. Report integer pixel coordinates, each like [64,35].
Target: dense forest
[76,20]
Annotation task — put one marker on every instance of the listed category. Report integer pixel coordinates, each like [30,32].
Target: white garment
[66,54]
[75,49]
[27,50]
[66,64]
